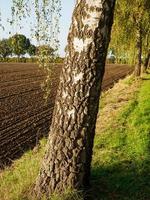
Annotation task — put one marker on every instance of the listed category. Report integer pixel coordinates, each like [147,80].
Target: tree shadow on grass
[147,72]
[145,79]
[126,180]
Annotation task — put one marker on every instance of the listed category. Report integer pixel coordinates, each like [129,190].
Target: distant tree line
[15,47]
[130,41]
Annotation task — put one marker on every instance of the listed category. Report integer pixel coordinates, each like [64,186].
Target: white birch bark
[68,157]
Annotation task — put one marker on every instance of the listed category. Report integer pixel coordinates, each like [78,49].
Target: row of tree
[131,33]
[17,45]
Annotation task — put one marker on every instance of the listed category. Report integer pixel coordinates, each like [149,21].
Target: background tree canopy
[20,44]
[5,48]
[130,16]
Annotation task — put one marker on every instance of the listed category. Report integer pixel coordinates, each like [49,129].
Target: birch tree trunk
[139,52]
[68,156]
[146,62]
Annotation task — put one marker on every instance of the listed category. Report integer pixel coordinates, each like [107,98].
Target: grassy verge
[121,164]
[121,160]
[18,179]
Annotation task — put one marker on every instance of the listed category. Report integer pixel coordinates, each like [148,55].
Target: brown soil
[24,115]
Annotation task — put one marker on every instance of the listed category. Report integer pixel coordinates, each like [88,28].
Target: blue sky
[67,9]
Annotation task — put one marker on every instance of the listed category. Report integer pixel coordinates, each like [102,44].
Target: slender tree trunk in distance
[139,52]
[67,161]
[147,59]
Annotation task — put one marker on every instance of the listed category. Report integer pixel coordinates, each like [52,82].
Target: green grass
[121,164]
[18,179]
[121,160]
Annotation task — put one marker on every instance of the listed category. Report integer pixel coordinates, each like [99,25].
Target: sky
[65,20]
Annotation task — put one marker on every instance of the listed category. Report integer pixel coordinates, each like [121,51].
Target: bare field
[24,115]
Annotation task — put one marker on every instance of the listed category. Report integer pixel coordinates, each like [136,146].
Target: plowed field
[24,115]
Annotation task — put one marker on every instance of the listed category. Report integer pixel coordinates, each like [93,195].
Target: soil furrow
[24,116]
